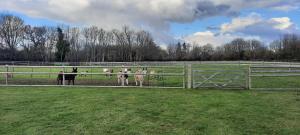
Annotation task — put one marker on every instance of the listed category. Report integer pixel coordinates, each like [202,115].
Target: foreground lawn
[147,111]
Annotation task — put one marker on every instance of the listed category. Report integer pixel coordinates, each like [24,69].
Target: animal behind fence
[108,72]
[122,78]
[69,77]
[139,77]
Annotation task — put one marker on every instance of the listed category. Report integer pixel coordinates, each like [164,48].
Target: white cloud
[208,37]
[254,19]
[282,23]
[286,8]
[251,26]
[153,15]
[255,24]
[68,6]
[115,13]
[241,22]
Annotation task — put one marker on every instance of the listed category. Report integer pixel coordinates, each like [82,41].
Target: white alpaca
[152,74]
[139,77]
[120,78]
[108,72]
[83,74]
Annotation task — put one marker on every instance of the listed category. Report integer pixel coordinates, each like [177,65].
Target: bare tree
[11,31]
[74,38]
[38,38]
[91,41]
[50,43]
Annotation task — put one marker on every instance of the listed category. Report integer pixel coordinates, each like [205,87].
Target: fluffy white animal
[139,77]
[120,77]
[108,72]
[83,74]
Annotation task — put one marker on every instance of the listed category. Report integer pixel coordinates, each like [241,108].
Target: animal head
[152,72]
[74,70]
[139,71]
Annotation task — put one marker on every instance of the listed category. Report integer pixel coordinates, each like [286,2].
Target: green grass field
[59,111]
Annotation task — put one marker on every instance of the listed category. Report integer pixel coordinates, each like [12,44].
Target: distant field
[36,110]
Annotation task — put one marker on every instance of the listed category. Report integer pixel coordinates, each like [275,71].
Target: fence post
[123,80]
[63,76]
[31,72]
[50,73]
[249,78]
[189,76]
[184,76]
[6,77]
[13,70]
[63,79]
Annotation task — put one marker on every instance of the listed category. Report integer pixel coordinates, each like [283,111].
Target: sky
[199,22]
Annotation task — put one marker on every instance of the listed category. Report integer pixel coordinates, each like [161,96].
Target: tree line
[21,42]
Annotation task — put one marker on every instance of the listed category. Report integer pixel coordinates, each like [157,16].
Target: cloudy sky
[195,21]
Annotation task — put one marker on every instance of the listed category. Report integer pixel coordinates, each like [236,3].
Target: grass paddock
[54,110]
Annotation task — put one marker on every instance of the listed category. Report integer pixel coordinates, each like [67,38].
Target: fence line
[185,73]
[14,66]
[87,86]
[63,73]
[148,63]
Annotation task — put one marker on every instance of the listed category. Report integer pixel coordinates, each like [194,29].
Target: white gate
[220,79]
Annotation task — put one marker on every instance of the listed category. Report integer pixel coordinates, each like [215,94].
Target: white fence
[92,76]
[271,76]
[221,79]
[144,63]
[279,77]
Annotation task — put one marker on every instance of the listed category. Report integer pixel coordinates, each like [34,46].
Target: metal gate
[220,79]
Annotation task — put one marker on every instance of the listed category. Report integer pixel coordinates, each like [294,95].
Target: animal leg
[141,83]
[136,83]
[122,80]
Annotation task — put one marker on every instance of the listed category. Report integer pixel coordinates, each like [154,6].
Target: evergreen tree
[62,46]
[178,51]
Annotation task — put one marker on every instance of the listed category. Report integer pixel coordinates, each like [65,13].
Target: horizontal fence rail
[147,63]
[163,74]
